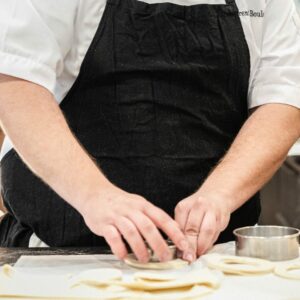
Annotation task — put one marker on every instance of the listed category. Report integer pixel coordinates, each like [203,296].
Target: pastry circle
[131,261]
[238,265]
[158,276]
[202,277]
[96,277]
[284,271]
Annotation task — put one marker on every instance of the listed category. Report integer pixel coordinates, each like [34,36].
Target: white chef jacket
[46,41]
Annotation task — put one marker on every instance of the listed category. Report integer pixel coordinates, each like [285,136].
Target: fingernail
[183,245]
[189,257]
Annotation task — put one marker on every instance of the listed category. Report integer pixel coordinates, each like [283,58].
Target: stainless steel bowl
[274,243]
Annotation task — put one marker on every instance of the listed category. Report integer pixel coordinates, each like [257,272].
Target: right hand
[114,214]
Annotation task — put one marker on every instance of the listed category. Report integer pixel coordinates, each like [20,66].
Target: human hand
[114,214]
[202,219]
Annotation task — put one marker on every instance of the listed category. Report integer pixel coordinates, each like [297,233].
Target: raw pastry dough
[191,286]
[155,276]
[238,265]
[203,277]
[7,270]
[195,292]
[283,270]
[96,277]
[173,264]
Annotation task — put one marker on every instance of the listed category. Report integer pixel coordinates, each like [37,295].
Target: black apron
[160,97]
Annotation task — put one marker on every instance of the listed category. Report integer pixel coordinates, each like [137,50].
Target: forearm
[36,126]
[256,154]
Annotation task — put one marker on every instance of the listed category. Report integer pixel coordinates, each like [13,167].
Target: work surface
[67,261]
[11,255]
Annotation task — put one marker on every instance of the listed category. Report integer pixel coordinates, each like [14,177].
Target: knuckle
[192,230]
[130,231]
[110,234]
[199,202]
[180,207]
[106,231]
[139,202]
[148,228]
[167,223]
[144,205]
[208,231]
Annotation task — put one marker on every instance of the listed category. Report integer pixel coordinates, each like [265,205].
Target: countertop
[264,287]
[11,255]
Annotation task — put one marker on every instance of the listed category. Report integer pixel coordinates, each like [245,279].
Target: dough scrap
[96,277]
[7,270]
[237,265]
[284,271]
[173,264]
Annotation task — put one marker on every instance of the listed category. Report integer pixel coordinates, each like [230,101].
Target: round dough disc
[202,277]
[195,292]
[284,271]
[97,276]
[237,265]
[173,264]
[155,276]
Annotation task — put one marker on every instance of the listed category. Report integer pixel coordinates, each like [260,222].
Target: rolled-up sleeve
[35,36]
[277,76]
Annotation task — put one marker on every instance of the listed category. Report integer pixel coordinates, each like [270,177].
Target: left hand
[202,219]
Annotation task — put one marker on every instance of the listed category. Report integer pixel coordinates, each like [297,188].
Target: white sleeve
[35,36]
[277,77]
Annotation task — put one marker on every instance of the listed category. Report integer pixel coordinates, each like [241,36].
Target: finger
[182,212]
[114,240]
[131,234]
[207,232]
[224,222]
[152,235]
[163,221]
[192,229]
[219,226]
[215,238]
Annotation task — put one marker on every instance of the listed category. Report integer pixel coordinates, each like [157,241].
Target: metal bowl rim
[297,234]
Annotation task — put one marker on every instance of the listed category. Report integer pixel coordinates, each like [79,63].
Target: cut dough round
[155,276]
[195,292]
[237,265]
[203,277]
[284,270]
[97,277]
[173,264]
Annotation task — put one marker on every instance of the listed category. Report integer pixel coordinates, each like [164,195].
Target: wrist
[223,197]
[94,192]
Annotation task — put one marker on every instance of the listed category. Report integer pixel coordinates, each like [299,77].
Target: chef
[132,121]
